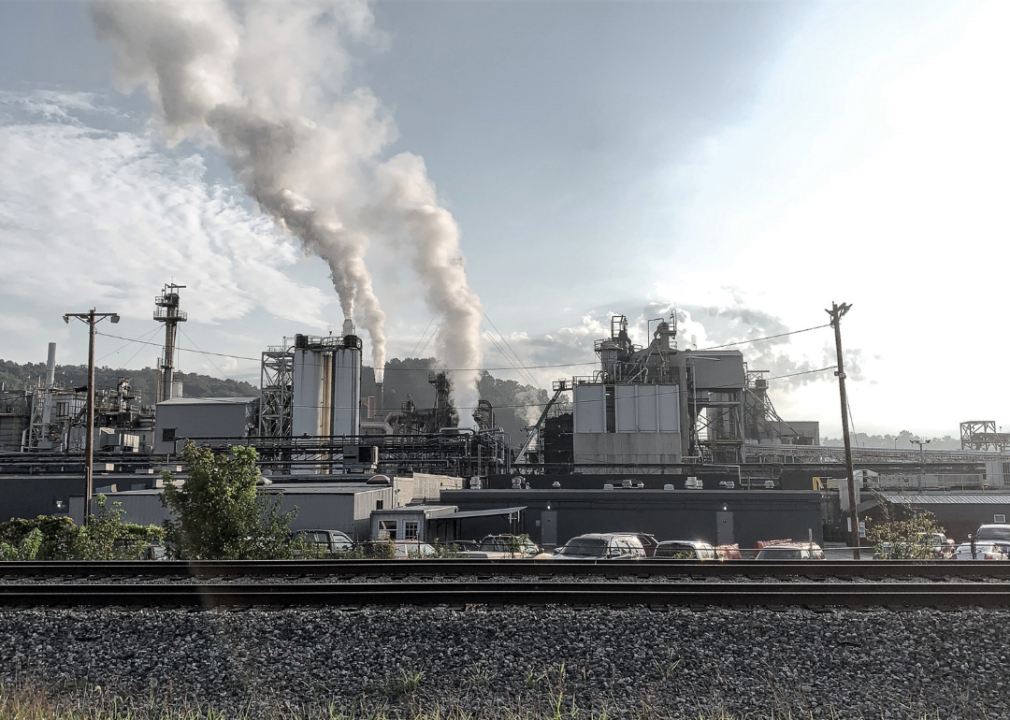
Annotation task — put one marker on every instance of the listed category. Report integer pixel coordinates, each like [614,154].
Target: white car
[601,546]
[983,551]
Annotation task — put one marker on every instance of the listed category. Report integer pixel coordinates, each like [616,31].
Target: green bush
[218,513]
[106,537]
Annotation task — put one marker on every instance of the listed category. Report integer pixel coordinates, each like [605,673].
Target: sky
[744,164]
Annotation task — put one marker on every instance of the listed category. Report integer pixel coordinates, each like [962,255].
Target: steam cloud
[257,78]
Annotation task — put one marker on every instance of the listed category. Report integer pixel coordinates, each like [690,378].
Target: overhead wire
[527,367]
[123,347]
[767,337]
[423,333]
[529,376]
[209,359]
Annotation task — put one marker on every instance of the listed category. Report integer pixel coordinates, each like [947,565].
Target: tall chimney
[51,366]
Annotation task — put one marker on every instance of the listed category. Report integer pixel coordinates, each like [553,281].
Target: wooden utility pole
[837,312]
[91,318]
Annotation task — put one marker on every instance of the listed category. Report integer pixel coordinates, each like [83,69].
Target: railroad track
[461,594]
[835,569]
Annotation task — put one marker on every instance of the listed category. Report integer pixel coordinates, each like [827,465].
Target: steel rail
[744,594]
[842,569]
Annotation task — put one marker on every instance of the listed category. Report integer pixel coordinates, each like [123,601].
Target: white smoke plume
[411,196]
[259,79]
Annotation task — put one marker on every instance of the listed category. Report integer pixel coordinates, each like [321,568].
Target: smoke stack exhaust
[267,81]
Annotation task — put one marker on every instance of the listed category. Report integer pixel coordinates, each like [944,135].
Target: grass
[25,702]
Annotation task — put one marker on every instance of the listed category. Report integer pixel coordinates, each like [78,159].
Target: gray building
[553,516]
[181,419]
[329,506]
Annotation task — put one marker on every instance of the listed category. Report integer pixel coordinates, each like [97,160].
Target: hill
[516,405]
[15,376]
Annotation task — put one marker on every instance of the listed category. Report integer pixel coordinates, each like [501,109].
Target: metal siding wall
[225,419]
[307,393]
[720,375]
[346,391]
[590,409]
[626,408]
[668,398]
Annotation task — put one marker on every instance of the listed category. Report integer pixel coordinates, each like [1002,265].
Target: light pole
[922,460]
[91,318]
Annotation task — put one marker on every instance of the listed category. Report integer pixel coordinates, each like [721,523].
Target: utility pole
[837,312]
[91,318]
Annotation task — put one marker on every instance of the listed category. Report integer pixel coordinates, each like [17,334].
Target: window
[999,518]
[387,529]
[378,504]
[168,435]
[410,529]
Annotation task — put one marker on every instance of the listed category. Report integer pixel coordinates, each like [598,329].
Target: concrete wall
[668,514]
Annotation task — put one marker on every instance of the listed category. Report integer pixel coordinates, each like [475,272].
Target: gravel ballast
[625,662]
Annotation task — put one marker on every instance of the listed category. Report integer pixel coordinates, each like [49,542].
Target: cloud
[94,217]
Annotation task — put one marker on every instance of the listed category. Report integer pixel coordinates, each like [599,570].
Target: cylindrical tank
[310,401]
[347,384]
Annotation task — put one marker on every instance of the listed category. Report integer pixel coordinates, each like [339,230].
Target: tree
[904,533]
[218,513]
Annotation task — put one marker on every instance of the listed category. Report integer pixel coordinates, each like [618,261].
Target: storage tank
[310,391]
[347,383]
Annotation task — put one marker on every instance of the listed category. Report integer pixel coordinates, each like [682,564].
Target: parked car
[601,546]
[462,547]
[685,550]
[413,549]
[992,532]
[649,542]
[496,547]
[326,542]
[983,551]
[790,551]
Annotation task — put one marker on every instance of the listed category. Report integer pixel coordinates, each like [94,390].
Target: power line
[238,357]
[529,376]
[767,337]
[223,374]
[143,337]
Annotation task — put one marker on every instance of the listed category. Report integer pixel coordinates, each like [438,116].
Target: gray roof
[210,401]
[290,489]
[948,498]
[493,512]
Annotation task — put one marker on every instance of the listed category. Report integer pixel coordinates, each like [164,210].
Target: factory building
[650,409]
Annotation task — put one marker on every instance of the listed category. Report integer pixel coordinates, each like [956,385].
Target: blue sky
[748,163]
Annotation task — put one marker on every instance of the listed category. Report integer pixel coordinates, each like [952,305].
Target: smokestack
[348,327]
[378,399]
[51,366]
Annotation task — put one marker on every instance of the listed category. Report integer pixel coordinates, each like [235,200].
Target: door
[548,528]
[724,528]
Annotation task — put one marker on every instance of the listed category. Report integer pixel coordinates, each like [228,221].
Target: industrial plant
[657,439]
